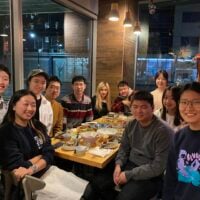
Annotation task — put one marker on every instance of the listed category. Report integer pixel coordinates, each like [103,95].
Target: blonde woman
[101,102]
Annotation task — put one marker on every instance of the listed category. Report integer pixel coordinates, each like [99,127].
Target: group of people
[161,140]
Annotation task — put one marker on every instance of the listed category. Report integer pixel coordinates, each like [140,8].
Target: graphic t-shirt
[183,168]
[188,167]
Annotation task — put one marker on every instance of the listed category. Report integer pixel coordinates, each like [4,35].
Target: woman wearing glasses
[183,168]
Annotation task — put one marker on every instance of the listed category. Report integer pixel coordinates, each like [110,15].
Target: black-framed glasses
[195,103]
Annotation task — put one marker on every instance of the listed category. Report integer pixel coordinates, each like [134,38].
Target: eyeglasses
[194,103]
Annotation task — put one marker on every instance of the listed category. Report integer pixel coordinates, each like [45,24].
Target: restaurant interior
[101,40]
[66,38]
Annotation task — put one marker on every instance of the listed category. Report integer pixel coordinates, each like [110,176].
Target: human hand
[126,102]
[20,172]
[122,178]
[116,174]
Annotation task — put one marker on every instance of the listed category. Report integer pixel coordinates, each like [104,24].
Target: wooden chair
[29,185]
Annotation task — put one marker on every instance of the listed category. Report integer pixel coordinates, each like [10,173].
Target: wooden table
[87,158]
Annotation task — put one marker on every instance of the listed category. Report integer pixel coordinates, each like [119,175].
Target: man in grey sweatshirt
[142,156]
[141,159]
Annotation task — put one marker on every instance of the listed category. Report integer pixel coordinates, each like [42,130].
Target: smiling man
[122,102]
[142,156]
[77,106]
[52,92]
[4,83]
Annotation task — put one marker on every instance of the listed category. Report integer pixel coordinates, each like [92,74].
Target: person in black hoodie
[182,181]
[25,149]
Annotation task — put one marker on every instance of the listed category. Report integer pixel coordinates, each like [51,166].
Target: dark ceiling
[43,6]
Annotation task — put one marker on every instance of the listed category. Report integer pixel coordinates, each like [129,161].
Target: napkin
[100,152]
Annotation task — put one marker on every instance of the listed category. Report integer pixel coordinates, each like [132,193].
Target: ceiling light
[127,20]
[114,12]
[137,28]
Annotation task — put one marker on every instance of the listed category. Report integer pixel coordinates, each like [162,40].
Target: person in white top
[169,111]
[5,77]
[36,83]
[161,79]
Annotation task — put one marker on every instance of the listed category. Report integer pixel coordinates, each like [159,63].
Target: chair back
[30,185]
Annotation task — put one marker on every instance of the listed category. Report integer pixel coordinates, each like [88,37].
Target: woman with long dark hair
[25,149]
[169,111]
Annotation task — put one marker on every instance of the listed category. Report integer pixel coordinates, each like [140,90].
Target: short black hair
[194,86]
[143,95]
[79,79]
[53,79]
[6,70]
[122,84]
[163,72]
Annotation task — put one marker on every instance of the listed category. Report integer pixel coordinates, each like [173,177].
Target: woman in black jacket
[25,149]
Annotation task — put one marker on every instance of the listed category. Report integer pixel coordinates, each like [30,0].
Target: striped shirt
[76,112]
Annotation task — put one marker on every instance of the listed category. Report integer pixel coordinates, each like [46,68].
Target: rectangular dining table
[87,158]
[90,159]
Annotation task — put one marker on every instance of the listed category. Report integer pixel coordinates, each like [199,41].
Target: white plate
[107,131]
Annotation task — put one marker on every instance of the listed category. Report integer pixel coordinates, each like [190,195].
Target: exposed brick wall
[76,38]
[115,48]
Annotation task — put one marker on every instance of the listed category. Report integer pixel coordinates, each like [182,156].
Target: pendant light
[127,20]
[114,12]
[137,28]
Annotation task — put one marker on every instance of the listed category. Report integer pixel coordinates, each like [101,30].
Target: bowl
[89,137]
[80,150]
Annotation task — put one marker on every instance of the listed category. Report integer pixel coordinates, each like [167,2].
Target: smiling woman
[25,149]
[183,161]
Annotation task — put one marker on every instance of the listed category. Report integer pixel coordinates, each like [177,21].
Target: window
[58,40]
[171,45]
[191,17]
[5,40]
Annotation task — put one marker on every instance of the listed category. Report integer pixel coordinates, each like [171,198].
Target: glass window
[172,44]
[5,41]
[191,17]
[57,40]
